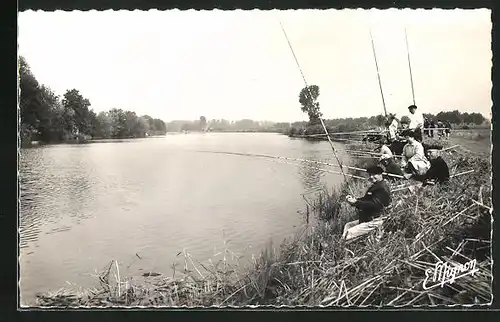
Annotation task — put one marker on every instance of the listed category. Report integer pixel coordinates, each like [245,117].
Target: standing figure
[448,129]
[426,127]
[370,206]
[416,122]
[392,127]
[440,126]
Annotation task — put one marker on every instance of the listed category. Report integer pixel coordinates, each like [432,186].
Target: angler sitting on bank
[439,171]
[390,166]
[383,148]
[370,206]
[414,161]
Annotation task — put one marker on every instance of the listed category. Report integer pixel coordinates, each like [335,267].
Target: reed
[316,268]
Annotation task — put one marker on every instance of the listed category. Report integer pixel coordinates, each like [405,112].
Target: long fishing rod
[409,66]
[301,160]
[378,74]
[320,118]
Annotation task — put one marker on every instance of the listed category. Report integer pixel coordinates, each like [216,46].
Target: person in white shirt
[392,127]
[416,122]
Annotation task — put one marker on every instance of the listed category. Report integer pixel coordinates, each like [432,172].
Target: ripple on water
[154,198]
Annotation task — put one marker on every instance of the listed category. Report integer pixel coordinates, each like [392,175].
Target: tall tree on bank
[203,123]
[308,100]
[77,109]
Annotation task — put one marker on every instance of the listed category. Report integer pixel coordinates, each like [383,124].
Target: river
[142,201]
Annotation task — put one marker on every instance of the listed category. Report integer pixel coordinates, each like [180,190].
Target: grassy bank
[315,267]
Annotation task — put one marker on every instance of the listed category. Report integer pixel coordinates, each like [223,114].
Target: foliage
[203,123]
[457,118]
[223,125]
[48,118]
[308,100]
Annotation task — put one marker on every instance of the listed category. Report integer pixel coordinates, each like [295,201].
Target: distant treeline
[49,118]
[458,120]
[223,125]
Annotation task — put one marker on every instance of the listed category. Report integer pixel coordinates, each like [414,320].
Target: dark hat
[408,133]
[375,170]
[412,106]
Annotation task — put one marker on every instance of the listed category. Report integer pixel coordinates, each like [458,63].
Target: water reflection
[83,205]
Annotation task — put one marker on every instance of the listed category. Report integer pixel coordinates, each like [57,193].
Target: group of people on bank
[414,162]
[416,121]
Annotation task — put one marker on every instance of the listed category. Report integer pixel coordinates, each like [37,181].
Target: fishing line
[300,160]
[320,118]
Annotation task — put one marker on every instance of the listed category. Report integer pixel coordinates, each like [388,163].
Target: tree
[78,106]
[203,123]
[477,118]
[119,123]
[29,102]
[143,126]
[104,126]
[308,99]
[50,116]
[160,127]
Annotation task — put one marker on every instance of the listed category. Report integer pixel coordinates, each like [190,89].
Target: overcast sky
[237,64]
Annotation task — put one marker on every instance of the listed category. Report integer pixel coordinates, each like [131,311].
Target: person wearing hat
[414,161]
[390,166]
[392,128]
[370,206]
[382,147]
[438,171]
[416,122]
[405,122]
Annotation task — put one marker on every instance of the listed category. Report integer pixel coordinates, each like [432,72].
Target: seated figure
[438,171]
[390,166]
[370,206]
[414,161]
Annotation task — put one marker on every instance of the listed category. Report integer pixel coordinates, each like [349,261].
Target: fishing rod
[378,74]
[301,160]
[409,66]
[349,133]
[320,118]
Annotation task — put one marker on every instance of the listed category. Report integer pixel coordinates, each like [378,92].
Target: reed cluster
[316,268]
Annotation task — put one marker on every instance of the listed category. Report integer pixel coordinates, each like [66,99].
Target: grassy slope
[317,268]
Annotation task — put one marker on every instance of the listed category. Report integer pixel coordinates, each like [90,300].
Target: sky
[179,65]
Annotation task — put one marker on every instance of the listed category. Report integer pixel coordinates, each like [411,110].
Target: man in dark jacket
[370,206]
[438,172]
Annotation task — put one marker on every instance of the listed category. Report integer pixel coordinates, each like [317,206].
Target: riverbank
[317,268]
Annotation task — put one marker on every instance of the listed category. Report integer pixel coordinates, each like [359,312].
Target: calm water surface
[84,205]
